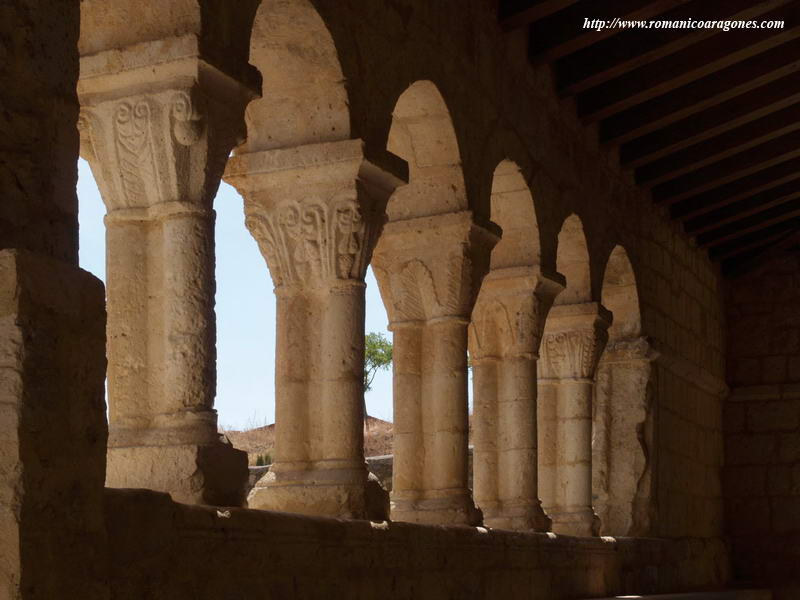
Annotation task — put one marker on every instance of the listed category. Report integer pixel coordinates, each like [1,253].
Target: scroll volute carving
[154,148]
[315,241]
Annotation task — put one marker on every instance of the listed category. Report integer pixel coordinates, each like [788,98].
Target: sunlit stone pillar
[316,212]
[506,330]
[429,270]
[574,338]
[157,137]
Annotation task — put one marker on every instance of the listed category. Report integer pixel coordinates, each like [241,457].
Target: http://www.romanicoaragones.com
[725,25]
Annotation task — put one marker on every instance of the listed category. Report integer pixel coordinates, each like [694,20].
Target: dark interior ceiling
[709,120]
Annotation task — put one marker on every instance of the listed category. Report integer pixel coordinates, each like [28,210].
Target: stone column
[574,338]
[506,330]
[157,137]
[429,270]
[316,212]
[623,449]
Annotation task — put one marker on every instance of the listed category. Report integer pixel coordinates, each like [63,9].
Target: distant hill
[261,440]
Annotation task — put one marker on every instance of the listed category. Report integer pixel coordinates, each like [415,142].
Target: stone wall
[160,549]
[39,142]
[762,424]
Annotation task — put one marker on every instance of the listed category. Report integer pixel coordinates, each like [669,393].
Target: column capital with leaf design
[431,267]
[510,312]
[574,338]
[317,210]
[158,121]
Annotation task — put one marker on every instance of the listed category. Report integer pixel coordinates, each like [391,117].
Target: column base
[516,517]
[450,509]
[215,474]
[338,493]
[578,523]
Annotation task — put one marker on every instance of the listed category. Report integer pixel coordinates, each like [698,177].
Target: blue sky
[245,310]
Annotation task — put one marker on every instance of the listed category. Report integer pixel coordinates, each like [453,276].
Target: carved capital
[310,242]
[316,211]
[574,338]
[432,267]
[510,312]
[155,148]
[158,121]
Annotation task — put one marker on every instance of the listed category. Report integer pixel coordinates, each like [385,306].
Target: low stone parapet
[168,550]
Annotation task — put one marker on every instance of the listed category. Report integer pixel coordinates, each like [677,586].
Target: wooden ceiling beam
[514,15]
[634,48]
[734,141]
[701,94]
[773,235]
[563,33]
[745,208]
[730,169]
[749,258]
[713,121]
[748,225]
[716,54]
[738,190]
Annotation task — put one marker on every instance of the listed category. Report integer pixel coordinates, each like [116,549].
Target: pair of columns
[512,325]
[317,212]
[157,137]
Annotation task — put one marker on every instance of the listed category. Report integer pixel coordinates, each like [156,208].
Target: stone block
[782,415]
[53,441]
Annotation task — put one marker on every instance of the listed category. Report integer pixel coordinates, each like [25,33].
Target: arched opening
[621,418]
[304,99]
[572,261]
[512,209]
[504,338]
[424,276]
[574,333]
[422,134]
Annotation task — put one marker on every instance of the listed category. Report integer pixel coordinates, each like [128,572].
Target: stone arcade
[414,136]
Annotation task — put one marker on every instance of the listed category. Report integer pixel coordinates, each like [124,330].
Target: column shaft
[574,442]
[128,320]
[292,449]
[409,451]
[189,383]
[342,340]
[516,434]
[485,437]
[446,420]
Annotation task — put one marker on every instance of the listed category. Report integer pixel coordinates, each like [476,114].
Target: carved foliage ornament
[572,354]
[142,145]
[506,326]
[420,293]
[308,243]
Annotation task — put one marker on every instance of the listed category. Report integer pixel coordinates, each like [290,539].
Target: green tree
[377,357]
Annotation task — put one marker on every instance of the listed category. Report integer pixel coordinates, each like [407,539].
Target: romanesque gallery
[582,214]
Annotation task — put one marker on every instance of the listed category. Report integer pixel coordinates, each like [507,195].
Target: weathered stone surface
[52,430]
